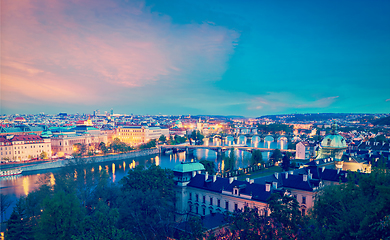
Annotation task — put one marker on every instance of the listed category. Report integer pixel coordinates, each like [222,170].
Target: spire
[334,128]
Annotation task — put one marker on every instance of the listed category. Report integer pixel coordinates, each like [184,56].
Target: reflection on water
[22,185]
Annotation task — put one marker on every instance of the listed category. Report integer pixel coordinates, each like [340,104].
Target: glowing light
[124,166]
[157,161]
[52,180]
[113,168]
[100,168]
[93,169]
[26,185]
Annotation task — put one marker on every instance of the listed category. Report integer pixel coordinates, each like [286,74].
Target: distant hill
[307,117]
[382,121]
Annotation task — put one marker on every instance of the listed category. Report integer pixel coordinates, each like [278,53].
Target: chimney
[276,175]
[304,177]
[291,172]
[323,169]
[193,173]
[310,175]
[214,178]
[345,175]
[338,171]
[247,179]
[286,174]
[275,185]
[235,178]
[251,181]
[231,180]
[267,187]
[206,176]
[199,172]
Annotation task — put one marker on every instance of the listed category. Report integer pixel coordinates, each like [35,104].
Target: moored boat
[11,172]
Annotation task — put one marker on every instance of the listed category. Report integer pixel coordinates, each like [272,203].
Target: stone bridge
[218,149]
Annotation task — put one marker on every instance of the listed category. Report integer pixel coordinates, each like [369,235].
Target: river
[22,185]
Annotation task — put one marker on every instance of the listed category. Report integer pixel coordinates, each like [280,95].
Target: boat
[168,151]
[11,172]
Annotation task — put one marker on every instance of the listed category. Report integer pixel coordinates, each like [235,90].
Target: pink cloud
[281,101]
[76,51]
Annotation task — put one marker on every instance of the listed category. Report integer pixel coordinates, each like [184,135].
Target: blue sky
[247,58]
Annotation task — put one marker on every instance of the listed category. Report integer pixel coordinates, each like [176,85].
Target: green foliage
[197,137]
[150,144]
[102,224]
[350,211]
[292,145]
[146,203]
[257,158]
[60,217]
[273,128]
[162,138]
[119,146]
[209,166]
[43,155]
[177,140]
[5,203]
[196,228]
[229,161]
[275,156]
[18,224]
[286,162]
[102,147]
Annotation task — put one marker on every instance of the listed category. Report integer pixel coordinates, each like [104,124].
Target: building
[201,194]
[305,150]
[24,147]
[136,135]
[333,146]
[64,139]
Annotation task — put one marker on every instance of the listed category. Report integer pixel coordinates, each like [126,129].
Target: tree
[197,137]
[18,224]
[276,156]
[5,203]
[209,166]
[147,202]
[350,211]
[103,147]
[257,157]
[286,162]
[285,214]
[162,138]
[60,217]
[43,155]
[229,162]
[102,224]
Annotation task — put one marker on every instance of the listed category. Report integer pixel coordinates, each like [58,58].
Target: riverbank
[96,159]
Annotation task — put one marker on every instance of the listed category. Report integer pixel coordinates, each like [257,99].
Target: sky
[179,57]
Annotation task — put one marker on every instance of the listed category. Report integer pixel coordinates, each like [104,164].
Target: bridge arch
[269,138]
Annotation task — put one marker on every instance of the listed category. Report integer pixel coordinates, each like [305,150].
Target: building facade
[137,135]
[24,147]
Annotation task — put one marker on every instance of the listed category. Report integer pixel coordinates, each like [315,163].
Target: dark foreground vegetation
[84,204]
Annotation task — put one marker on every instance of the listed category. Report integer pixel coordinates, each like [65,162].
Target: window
[303,200]
[227,205]
[204,199]
[235,207]
[190,208]
[190,197]
[211,201]
[303,212]
[196,197]
[295,196]
[204,211]
[196,210]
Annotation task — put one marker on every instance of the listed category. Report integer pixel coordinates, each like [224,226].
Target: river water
[22,185]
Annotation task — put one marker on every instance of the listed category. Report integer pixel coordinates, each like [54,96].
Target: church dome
[334,140]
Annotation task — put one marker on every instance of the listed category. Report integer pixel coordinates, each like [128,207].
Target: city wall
[106,158]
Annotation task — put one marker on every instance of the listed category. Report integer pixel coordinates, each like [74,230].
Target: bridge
[218,149]
[251,136]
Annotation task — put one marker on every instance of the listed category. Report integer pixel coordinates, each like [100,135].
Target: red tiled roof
[26,138]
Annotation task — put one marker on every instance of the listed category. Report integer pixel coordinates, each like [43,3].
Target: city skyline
[205,57]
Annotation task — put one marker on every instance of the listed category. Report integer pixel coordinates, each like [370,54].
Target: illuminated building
[136,135]
[24,147]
